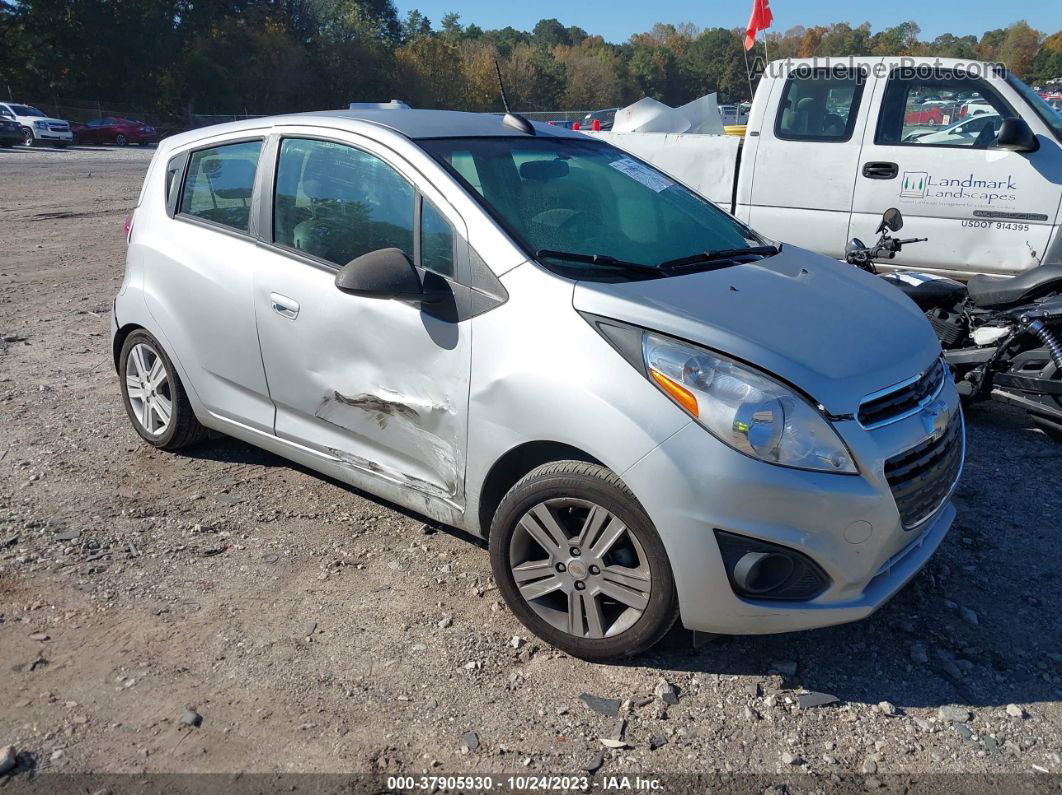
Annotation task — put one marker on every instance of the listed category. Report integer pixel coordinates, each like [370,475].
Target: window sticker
[651,179]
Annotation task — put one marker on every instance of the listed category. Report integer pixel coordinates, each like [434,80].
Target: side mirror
[384,273]
[892,219]
[1015,135]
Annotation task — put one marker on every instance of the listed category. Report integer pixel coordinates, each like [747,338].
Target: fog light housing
[761,570]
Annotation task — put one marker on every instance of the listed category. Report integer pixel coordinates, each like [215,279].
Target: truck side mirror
[1015,135]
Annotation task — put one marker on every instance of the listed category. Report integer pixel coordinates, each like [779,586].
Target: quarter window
[220,183]
[335,202]
[436,241]
[820,105]
[942,109]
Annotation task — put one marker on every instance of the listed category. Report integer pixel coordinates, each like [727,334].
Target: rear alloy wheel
[580,563]
[154,397]
[120,140]
[27,136]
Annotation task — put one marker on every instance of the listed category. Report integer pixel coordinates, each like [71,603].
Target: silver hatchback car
[648,410]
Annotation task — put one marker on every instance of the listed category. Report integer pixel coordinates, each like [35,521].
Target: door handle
[880,170]
[284,306]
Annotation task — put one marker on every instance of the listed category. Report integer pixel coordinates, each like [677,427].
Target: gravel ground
[314,628]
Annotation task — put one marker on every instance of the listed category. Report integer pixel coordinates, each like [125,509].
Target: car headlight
[743,408]
[41,125]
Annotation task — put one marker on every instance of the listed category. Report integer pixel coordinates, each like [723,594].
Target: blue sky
[616,20]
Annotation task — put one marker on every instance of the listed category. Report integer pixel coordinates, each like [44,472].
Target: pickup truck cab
[831,143]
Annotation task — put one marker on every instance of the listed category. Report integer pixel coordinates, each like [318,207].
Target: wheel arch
[512,466]
[119,340]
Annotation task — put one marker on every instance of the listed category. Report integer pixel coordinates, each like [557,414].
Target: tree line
[174,57]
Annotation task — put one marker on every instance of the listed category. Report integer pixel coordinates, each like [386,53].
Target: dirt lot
[317,629]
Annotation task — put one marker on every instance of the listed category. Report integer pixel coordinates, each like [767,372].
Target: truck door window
[942,109]
[819,105]
[335,202]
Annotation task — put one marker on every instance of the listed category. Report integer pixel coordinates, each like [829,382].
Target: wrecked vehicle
[649,410]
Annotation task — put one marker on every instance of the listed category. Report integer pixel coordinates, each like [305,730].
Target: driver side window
[940,110]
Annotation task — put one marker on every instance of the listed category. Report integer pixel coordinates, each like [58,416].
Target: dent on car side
[538,372]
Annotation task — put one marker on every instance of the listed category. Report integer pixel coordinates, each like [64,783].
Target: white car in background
[962,133]
[37,125]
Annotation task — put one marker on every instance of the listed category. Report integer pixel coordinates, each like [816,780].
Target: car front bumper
[692,485]
[53,135]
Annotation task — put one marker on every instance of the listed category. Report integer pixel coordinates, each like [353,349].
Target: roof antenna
[514,120]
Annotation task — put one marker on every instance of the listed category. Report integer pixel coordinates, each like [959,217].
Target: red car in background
[115,130]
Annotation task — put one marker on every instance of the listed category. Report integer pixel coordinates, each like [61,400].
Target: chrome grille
[922,478]
[902,400]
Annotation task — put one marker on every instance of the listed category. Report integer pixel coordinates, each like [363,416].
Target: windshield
[1039,105]
[584,197]
[25,110]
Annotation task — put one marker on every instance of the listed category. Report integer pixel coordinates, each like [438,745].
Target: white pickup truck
[832,143]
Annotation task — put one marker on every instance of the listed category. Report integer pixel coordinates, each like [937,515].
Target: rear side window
[820,105]
[335,202]
[220,183]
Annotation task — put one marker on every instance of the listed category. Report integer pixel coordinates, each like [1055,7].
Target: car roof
[411,123]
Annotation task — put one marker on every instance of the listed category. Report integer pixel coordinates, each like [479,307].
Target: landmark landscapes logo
[914,184]
[970,189]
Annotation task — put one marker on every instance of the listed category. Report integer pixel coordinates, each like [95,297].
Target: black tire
[120,140]
[184,429]
[27,137]
[595,484]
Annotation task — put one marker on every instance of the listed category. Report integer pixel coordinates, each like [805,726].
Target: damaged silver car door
[380,384]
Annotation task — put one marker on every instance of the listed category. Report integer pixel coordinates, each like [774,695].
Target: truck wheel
[153,395]
[27,136]
[580,564]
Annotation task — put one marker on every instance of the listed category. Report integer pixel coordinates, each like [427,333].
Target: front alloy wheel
[579,568]
[580,563]
[27,136]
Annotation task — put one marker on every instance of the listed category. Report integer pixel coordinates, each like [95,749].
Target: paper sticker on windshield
[651,179]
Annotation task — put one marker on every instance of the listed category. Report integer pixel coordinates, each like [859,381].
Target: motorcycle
[1001,336]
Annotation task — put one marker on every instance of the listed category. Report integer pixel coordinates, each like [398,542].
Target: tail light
[128,226]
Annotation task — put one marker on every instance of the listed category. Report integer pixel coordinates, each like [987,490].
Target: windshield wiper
[719,255]
[604,260]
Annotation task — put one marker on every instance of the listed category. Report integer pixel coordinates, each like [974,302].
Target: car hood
[48,119]
[828,328]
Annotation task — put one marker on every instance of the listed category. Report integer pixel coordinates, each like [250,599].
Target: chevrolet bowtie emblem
[934,418]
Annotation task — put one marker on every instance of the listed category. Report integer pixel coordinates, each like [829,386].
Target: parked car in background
[607,117]
[564,123]
[979,130]
[115,130]
[35,125]
[10,132]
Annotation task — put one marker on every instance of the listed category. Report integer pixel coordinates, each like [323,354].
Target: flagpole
[766,57]
[748,71]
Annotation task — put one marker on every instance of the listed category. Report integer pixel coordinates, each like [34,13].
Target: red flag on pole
[761,19]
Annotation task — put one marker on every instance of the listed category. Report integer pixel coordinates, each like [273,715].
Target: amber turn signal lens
[676,391]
